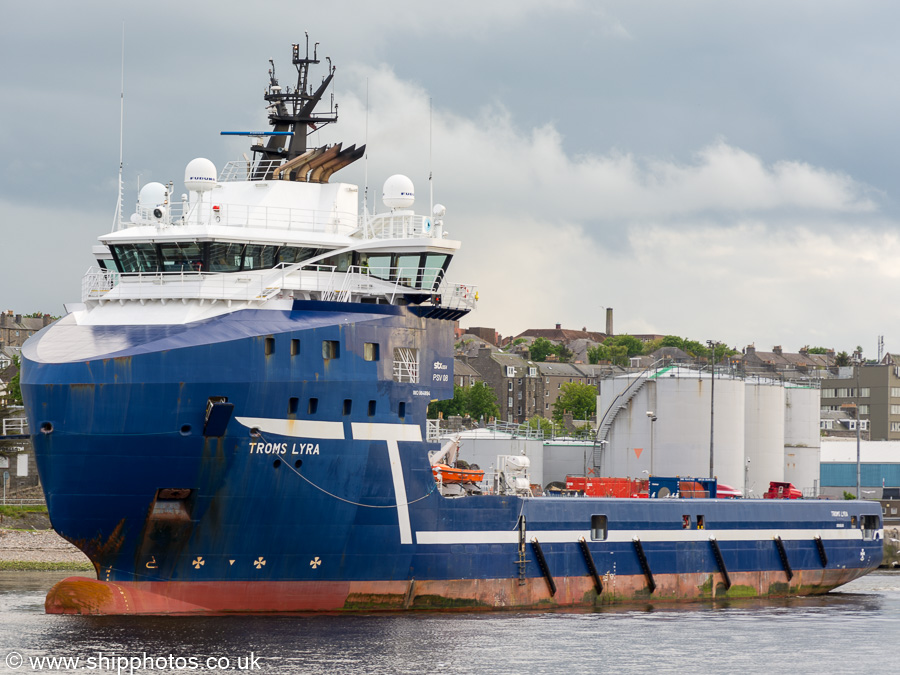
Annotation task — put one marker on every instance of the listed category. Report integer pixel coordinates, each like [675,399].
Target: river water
[855,630]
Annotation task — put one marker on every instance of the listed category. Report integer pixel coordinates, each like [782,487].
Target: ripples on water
[852,631]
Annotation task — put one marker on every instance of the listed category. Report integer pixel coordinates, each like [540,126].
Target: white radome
[200,175]
[153,195]
[398,192]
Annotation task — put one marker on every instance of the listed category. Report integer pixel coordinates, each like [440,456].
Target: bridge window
[294,254]
[259,257]
[408,269]
[599,528]
[370,351]
[432,270]
[379,266]
[131,258]
[225,257]
[181,257]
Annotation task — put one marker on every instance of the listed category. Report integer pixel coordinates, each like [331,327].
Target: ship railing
[395,225]
[333,284]
[393,282]
[259,217]
[433,431]
[104,285]
[244,170]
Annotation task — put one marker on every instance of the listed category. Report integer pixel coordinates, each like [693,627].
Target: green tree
[695,348]
[474,401]
[673,341]
[652,346]
[597,353]
[817,350]
[481,401]
[633,346]
[842,359]
[448,407]
[14,390]
[563,353]
[541,348]
[578,399]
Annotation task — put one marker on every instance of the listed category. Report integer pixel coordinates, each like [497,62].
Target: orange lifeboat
[448,474]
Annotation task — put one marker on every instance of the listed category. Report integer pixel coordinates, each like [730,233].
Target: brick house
[513,379]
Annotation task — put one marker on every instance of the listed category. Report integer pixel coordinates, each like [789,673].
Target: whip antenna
[430,181]
[118,217]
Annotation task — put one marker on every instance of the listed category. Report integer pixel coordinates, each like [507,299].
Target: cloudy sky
[716,170]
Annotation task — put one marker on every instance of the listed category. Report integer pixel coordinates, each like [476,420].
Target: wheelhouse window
[416,270]
[133,258]
[181,257]
[259,257]
[432,270]
[340,262]
[379,266]
[295,254]
[225,257]
[408,270]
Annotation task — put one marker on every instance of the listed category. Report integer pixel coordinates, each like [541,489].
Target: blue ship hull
[311,489]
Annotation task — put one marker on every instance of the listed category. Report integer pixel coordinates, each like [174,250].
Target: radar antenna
[292,109]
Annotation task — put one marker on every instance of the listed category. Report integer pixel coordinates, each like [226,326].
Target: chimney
[609,321]
[18,318]
[777,350]
[805,350]
[751,349]
[46,320]
[559,326]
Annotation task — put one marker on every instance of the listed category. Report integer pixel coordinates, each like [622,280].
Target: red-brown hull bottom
[79,595]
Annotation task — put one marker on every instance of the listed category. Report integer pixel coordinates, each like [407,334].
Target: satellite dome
[200,175]
[153,195]
[398,192]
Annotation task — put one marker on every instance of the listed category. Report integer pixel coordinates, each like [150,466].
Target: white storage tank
[764,435]
[677,441]
[802,444]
